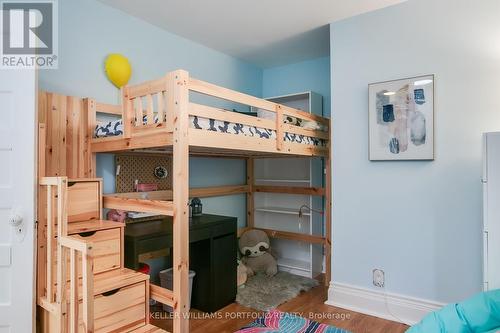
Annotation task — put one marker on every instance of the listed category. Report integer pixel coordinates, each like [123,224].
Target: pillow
[265,114]
[478,314]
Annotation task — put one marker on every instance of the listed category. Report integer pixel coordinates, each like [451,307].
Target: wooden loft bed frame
[138,101]
[168,99]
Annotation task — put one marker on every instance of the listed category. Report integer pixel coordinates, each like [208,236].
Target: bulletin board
[141,167]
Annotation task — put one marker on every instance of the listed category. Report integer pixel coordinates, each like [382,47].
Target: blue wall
[90,30]
[420,221]
[310,75]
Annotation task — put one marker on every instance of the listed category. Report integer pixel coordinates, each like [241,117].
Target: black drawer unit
[212,254]
[214,261]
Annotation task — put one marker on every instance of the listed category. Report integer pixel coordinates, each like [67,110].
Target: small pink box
[147,187]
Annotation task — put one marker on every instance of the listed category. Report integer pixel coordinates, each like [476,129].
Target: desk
[213,248]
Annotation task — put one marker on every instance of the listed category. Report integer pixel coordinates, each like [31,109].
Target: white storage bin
[167,281]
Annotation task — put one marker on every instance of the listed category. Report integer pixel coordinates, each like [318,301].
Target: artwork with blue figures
[419,96]
[388,113]
[394,146]
[401,119]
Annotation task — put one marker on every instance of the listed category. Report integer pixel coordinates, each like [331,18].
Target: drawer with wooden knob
[83,202]
[106,251]
[106,248]
[119,310]
[84,199]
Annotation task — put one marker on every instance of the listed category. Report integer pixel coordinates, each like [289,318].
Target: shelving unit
[262,180]
[279,211]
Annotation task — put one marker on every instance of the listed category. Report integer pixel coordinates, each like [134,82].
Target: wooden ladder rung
[92,225]
[162,295]
[139,205]
[148,329]
[111,280]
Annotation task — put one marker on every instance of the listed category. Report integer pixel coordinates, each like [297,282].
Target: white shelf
[265,180]
[282,210]
[294,264]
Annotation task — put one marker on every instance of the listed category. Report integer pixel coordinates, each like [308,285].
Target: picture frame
[401,119]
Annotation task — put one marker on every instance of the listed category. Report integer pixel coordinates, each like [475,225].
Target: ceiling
[263,32]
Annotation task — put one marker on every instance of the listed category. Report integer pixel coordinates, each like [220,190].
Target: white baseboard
[400,308]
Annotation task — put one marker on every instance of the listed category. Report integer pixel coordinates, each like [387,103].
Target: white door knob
[15,219]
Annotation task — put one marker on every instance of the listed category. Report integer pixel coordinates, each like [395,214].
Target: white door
[17,200]
[491,201]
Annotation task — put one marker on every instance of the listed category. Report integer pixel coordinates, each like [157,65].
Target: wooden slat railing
[77,247]
[280,111]
[51,214]
[234,96]
[139,102]
[56,211]
[206,111]
[112,109]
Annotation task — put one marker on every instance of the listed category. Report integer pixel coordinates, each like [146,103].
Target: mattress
[115,128]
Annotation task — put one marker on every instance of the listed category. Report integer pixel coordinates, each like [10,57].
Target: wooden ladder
[82,284]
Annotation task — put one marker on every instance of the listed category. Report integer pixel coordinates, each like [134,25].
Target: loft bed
[159,117]
[147,121]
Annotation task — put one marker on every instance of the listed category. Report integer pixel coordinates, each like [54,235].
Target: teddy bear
[241,274]
[256,250]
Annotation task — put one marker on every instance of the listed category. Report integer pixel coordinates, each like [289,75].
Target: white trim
[400,308]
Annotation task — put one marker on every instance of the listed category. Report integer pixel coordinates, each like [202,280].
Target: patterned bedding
[115,128]
[276,321]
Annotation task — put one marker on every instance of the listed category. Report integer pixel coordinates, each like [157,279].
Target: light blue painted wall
[310,75]
[419,221]
[90,30]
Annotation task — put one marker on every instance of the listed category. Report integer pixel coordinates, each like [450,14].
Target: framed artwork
[401,119]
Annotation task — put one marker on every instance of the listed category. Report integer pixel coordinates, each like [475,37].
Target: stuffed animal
[256,249]
[242,274]
[116,215]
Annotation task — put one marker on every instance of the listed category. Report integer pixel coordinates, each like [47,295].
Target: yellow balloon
[117,69]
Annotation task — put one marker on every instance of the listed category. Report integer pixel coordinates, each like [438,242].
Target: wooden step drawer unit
[119,310]
[107,240]
[84,208]
[84,223]
[107,244]
[121,303]
[84,200]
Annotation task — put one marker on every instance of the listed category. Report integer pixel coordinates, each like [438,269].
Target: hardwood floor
[309,304]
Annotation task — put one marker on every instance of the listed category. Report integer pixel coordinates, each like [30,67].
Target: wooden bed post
[127,113]
[328,211]
[169,112]
[178,103]
[90,113]
[279,128]
[250,193]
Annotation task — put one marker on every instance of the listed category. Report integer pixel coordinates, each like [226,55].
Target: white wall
[419,221]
